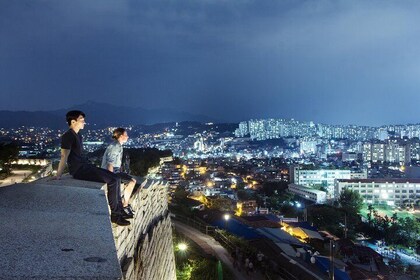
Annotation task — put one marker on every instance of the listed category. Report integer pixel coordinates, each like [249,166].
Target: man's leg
[93,173]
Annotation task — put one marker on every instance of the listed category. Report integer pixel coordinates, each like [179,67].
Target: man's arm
[63,160]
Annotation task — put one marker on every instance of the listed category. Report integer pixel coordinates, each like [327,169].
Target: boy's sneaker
[131,208]
[128,213]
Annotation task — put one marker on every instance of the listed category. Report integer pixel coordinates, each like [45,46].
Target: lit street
[211,246]
[16,177]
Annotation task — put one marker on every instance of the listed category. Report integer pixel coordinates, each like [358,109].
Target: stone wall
[61,229]
[145,247]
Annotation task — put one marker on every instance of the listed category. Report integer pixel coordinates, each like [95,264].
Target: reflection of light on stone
[226,217]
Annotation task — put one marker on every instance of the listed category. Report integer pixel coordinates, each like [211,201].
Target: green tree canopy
[350,201]
[273,188]
[8,153]
[221,203]
[142,159]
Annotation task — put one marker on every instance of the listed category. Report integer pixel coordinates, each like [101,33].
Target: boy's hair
[73,115]
[117,133]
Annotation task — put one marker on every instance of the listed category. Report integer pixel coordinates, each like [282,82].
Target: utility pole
[332,245]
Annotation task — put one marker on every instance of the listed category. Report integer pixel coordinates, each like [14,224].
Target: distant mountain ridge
[100,114]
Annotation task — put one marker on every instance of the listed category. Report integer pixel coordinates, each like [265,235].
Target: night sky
[336,62]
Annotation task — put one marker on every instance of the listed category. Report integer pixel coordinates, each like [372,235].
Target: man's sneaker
[119,220]
[128,214]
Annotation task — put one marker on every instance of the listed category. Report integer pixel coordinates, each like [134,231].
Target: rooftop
[381,180]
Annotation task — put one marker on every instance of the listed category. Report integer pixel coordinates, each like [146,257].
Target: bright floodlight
[226,217]
[182,246]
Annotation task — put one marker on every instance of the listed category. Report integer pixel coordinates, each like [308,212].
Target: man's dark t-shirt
[74,142]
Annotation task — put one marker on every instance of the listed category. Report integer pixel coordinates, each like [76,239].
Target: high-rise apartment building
[391,151]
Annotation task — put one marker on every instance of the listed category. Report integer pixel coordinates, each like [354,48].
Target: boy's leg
[131,182]
[127,193]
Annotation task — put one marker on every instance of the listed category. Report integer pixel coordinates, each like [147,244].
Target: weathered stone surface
[61,230]
[148,241]
[55,232]
[67,180]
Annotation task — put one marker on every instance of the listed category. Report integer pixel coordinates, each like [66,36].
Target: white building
[211,191]
[378,152]
[392,151]
[242,130]
[308,193]
[349,156]
[392,192]
[319,177]
[308,146]
[397,152]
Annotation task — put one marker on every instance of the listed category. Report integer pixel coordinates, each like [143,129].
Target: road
[16,177]
[212,247]
[406,259]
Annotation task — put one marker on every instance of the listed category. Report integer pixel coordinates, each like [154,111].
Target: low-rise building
[246,207]
[308,193]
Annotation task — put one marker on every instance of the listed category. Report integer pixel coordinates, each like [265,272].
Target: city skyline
[106,114]
[336,63]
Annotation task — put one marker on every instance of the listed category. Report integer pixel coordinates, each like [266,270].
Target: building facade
[319,177]
[308,193]
[391,192]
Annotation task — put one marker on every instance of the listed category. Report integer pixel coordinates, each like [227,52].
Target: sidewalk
[211,246]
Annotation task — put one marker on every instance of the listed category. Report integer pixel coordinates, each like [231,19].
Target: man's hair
[117,133]
[73,115]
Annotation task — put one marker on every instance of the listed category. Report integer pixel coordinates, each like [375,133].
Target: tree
[350,201]
[326,217]
[410,231]
[221,203]
[244,195]
[273,188]
[369,215]
[143,159]
[8,153]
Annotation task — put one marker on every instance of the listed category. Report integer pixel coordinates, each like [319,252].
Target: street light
[226,217]
[182,247]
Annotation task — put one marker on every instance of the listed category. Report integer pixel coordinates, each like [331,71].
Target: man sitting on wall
[80,168]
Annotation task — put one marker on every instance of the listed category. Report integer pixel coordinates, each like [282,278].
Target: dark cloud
[327,61]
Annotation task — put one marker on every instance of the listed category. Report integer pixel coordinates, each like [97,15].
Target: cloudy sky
[336,62]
